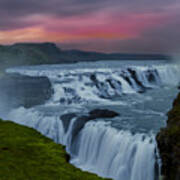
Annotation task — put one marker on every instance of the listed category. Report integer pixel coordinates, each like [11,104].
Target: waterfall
[96,145]
[115,154]
[84,86]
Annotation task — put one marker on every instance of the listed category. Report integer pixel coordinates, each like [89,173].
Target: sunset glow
[97,25]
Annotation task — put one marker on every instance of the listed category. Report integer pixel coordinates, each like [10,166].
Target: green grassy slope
[27,155]
[29,54]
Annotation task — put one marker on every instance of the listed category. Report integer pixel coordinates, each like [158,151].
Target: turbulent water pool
[122,148]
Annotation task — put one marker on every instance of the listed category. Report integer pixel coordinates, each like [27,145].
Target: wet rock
[168,140]
[126,78]
[79,124]
[20,90]
[101,86]
[66,119]
[115,84]
[94,114]
[102,113]
[138,82]
[151,75]
[93,77]
[82,120]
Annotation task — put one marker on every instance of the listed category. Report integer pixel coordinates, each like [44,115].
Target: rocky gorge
[168,141]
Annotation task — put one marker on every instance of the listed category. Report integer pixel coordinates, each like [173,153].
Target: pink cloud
[111,24]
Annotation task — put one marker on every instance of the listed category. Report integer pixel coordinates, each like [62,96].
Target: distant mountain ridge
[49,53]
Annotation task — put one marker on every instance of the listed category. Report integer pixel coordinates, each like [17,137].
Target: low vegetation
[27,155]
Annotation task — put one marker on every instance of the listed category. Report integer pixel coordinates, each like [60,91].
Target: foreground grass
[25,154]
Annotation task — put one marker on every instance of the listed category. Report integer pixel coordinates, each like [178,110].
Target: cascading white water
[115,154]
[98,147]
[101,149]
[98,85]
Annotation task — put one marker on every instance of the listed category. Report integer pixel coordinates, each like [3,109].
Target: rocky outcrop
[81,120]
[102,113]
[20,90]
[168,141]
[94,114]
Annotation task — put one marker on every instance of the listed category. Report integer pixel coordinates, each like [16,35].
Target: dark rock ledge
[83,119]
[168,141]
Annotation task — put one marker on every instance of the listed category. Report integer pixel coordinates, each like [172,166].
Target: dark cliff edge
[168,141]
[48,53]
[20,90]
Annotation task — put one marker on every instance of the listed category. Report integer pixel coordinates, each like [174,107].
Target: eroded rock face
[80,121]
[17,90]
[66,119]
[169,144]
[102,113]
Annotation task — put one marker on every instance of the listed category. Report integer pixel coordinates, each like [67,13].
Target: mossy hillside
[26,154]
[22,55]
[169,144]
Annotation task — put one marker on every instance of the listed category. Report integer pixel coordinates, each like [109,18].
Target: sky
[138,26]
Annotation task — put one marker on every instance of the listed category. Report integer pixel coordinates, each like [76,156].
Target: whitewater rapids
[108,147]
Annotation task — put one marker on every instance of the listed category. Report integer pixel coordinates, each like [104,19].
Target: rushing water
[122,148]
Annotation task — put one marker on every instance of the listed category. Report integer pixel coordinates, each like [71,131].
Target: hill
[26,154]
[49,53]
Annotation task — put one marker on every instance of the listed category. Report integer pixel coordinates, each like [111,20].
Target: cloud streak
[126,25]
